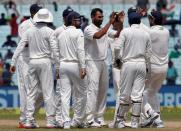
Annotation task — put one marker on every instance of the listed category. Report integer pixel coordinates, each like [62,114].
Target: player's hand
[142,11]
[57,74]
[12,69]
[82,73]
[121,16]
[112,18]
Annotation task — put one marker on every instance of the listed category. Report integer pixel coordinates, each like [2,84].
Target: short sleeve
[89,32]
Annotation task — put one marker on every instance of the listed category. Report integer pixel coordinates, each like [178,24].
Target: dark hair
[34,8]
[134,21]
[8,37]
[158,17]
[73,15]
[13,15]
[159,21]
[2,14]
[131,10]
[134,18]
[95,10]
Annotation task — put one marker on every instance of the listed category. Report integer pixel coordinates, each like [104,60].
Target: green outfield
[9,120]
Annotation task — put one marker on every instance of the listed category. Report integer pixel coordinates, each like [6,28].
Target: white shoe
[94,124]
[158,124]
[66,125]
[121,124]
[75,124]
[59,124]
[31,124]
[150,120]
[134,125]
[51,124]
[111,124]
[101,121]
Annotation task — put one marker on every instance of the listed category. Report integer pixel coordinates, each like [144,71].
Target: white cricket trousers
[58,102]
[116,82]
[70,83]
[41,76]
[132,81]
[153,85]
[23,86]
[97,74]
[131,89]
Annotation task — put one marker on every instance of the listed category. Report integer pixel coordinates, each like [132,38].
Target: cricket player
[116,68]
[22,68]
[72,71]
[96,44]
[135,50]
[41,41]
[159,64]
[58,31]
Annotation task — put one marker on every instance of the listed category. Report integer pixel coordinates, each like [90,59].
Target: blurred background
[13,12]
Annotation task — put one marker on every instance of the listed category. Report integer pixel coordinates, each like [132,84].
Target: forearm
[17,52]
[102,32]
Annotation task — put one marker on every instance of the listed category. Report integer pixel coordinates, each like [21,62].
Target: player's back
[69,42]
[38,41]
[135,44]
[160,40]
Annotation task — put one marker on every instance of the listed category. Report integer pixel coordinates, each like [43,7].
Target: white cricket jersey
[113,44]
[135,44]
[160,41]
[41,41]
[59,30]
[71,44]
[23,27]
[95,49]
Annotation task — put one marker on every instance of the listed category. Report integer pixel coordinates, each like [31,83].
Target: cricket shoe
[158,124]
[59,124]
[31,124]
[66,125]
[100,121]
[121,124]
[51,125]
[93,124]
[111,124]
[21,125]
[134,124]
[148,122]
[75,124]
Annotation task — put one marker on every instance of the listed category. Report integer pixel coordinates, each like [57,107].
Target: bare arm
[104,30]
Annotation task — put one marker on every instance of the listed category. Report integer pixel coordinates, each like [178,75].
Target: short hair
[134,18]
[34,8]
[158,17]
[95,10]
[73,15]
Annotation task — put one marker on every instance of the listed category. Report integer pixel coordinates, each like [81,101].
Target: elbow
[97,36]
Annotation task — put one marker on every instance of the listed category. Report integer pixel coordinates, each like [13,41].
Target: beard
[98,23]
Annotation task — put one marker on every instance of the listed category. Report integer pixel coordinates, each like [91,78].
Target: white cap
[43,15]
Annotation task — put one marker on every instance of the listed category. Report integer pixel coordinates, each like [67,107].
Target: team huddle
[78,60]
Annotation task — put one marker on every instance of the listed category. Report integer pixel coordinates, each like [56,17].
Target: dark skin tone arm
[104,30]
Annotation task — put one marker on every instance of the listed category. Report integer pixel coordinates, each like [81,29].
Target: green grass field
[10,118]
